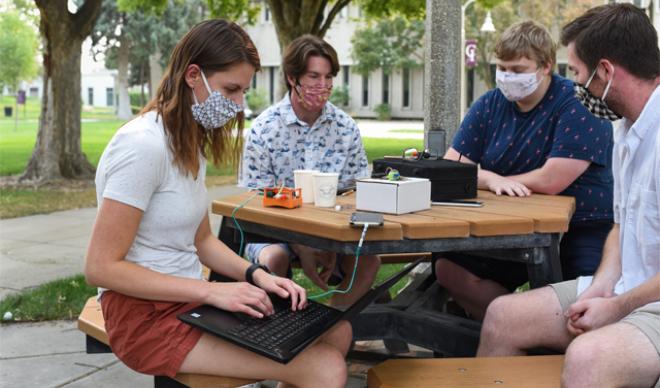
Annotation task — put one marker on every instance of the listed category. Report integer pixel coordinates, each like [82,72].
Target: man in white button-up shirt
[608,324]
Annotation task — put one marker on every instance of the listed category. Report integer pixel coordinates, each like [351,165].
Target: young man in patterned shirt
[304,131]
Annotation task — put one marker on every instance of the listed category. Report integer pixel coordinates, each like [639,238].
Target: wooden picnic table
[525,230]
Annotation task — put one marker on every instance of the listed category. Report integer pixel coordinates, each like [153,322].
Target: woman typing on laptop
[152,232]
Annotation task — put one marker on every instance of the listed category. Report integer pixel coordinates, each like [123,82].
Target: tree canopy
[18,50]
[389,44]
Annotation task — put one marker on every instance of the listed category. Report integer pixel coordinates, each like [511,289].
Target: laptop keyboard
[284,324]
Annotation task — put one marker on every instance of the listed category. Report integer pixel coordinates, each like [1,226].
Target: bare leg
[517,322]
[320,365]
[366,274]
[617,355]
[275,258]
[473,293]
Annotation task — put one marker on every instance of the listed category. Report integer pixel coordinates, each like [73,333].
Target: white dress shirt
[636,170]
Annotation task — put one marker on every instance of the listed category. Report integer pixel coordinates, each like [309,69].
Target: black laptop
[285,333]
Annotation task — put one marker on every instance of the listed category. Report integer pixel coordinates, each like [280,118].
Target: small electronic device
[458,203]
[372,219]
[282,197]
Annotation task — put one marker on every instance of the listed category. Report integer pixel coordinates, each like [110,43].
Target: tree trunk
[57,153]
[124,103]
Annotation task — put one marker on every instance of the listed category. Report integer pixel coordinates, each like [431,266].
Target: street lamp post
[488,26]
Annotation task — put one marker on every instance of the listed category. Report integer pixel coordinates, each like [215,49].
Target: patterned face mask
[597,106]
[516,86]
[216,111]
[313,97]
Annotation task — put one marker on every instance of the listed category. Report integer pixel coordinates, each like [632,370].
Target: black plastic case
[449,179]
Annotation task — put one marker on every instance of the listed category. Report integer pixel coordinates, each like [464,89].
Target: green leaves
[390,44]
[18,50]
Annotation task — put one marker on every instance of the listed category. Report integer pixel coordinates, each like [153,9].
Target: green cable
[350,284]
[240,230]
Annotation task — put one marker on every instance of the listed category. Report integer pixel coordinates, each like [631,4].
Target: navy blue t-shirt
[506,141]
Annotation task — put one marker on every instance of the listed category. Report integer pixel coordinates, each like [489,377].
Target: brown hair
[294,62]
[214,45]
[621,33]
[527,39]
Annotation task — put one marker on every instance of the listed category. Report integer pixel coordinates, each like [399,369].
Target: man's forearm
[609,270]
[645,293]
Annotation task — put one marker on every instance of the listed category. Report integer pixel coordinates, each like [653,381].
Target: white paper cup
[304,180]
[325,189]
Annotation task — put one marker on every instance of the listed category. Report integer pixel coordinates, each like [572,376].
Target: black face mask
[596,105]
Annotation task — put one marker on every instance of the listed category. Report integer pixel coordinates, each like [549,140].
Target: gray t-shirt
[136,169]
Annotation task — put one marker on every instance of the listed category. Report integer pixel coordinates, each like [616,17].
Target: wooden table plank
[530,371]
[306,219]
[415,225]
[483,223]
[559,201]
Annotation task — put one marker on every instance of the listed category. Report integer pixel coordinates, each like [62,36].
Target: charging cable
[240,230]
[312,297]
[350,284]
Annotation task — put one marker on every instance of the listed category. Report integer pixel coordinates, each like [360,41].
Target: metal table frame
[415,316]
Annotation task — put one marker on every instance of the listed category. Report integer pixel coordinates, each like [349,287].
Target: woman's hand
[240,297]
[283,287]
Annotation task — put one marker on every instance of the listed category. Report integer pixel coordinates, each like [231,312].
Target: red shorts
[146,335]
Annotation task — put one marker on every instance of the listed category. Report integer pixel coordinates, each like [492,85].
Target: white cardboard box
[395,197]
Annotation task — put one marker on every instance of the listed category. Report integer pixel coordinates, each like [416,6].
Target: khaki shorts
[645,318]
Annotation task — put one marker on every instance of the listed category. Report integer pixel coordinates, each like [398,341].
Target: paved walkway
[38,249]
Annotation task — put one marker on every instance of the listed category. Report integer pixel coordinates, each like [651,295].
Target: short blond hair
[527,39]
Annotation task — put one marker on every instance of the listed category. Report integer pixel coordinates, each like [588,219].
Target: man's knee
[498,317]
[275,258]
[585,354]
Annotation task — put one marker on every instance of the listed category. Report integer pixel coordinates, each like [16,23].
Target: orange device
[282,197]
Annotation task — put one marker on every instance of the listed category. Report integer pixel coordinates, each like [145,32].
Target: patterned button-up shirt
[279,143]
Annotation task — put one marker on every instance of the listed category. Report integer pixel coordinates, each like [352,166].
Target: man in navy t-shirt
[532,135]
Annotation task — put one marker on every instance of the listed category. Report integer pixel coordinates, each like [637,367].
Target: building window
[254,81]
[406,88]
[271,81]
[34,92]
[343,14]
[365,90]
[386,88]
[346,74]
[109,96]
[90,96]
[266,14]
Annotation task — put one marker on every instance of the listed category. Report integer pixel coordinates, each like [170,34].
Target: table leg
[545,266]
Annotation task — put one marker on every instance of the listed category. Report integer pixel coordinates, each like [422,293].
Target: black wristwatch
[250,271]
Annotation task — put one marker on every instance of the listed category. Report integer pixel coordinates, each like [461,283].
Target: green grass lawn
[407,131]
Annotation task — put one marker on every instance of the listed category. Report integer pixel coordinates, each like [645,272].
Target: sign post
[20,100]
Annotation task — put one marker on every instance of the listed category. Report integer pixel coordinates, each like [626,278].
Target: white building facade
[98,85]
[402,90]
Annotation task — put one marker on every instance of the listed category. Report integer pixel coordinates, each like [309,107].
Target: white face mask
[216,111]
[516,86]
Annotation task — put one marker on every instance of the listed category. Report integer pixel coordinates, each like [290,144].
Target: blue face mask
[216,111]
